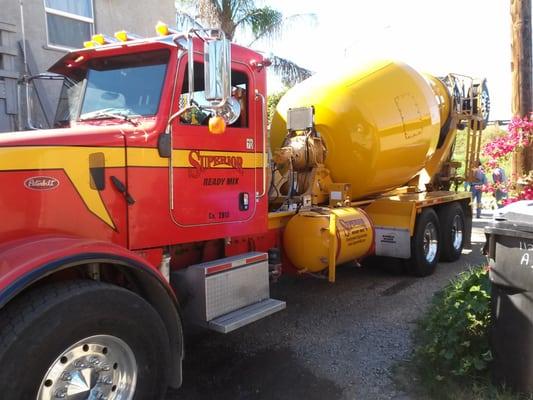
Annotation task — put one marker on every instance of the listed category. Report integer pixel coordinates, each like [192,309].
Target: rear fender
[25,262]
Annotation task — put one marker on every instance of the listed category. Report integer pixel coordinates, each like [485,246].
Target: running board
[228,293]
[246,315]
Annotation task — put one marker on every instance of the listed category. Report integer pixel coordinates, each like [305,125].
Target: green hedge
[454,333]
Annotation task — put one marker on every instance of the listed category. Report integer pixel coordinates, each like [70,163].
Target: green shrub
[454,332]
[272,103]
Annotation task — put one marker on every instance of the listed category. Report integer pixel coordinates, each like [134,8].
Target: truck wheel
[425,244]
[82,340]
[452,226]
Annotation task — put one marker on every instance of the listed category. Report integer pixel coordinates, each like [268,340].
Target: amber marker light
[122,36]
[89,43]
[217,125]
[99,38]
[162,29]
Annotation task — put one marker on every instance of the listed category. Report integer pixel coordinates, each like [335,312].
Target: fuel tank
[381,123]
[307,237]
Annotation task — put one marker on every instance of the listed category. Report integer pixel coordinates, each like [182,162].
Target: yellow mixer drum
[307,239]
[380,124]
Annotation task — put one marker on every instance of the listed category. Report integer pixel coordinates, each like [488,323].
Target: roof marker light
[162,29]
[102,39]
[99,38]
[122,36]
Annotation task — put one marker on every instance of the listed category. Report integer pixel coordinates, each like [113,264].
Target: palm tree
[244,17]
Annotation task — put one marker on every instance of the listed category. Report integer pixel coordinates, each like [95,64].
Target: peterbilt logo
[201,162]
[41,183]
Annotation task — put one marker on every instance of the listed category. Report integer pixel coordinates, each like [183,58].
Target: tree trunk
[521,70]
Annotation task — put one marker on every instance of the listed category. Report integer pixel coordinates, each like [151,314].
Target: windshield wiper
[108,113]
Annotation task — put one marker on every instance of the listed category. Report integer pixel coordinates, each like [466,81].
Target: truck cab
[115,105]
[156,158]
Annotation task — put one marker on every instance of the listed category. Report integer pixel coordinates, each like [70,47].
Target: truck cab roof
[76,59]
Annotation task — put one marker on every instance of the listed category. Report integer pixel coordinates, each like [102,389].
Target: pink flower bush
[492,187]
[525,194]
[520,135]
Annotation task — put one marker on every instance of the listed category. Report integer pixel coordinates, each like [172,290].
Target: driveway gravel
[334,341]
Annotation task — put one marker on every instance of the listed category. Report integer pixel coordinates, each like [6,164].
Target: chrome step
[246,315]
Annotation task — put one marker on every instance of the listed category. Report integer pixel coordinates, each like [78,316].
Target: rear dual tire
[437,236]
[425,247]
[452,223]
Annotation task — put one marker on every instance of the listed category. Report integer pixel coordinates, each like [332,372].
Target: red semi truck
[138,212]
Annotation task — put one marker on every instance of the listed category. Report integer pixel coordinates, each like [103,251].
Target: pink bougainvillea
[525,194]
[492,187]
[520,135]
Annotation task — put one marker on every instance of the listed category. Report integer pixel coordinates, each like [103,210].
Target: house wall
[138,17]
[110,16]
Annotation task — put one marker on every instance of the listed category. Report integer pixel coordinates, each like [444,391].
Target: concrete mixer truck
[160,199]
[364,154]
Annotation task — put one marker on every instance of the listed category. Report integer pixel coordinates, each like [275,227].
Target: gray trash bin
[510,250]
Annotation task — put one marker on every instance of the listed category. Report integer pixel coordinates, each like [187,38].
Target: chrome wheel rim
[457,232]
[430,242]
[100,367]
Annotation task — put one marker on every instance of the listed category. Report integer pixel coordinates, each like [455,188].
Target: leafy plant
[454,337]
[246,19]
[272,103]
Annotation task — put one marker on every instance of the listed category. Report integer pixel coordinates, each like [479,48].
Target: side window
[239,94]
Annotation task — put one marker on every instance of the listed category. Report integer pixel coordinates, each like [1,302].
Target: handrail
[263,125]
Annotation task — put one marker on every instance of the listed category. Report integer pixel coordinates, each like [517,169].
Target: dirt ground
[334,341]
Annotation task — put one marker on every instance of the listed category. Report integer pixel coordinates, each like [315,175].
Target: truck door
[215,177]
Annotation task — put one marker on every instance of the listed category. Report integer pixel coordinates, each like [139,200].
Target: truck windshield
[123,86]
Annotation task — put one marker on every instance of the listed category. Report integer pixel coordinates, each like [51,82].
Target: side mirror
[217,70]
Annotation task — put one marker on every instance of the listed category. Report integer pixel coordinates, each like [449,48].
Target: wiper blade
[107,113]
[109,116]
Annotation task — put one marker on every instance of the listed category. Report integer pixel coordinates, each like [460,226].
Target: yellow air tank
[381,124]
[307,237]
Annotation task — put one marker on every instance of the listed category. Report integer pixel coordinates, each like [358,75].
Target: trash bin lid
[516,216]
[510,237]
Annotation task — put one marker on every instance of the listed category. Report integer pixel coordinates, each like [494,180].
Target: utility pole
[522,76]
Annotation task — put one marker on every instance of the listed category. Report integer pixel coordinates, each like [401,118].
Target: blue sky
[470,37]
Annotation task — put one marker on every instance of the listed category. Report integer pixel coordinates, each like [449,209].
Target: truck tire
[425,246]
[452,229]
[84,338]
